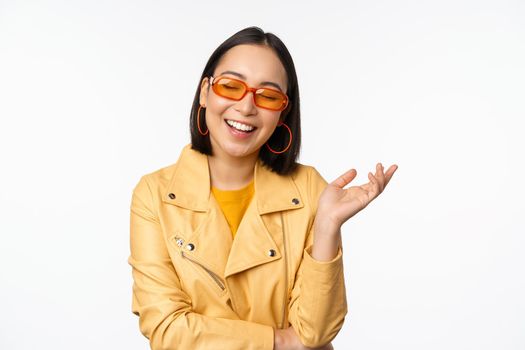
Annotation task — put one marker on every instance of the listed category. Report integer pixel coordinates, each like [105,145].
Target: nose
[246,105]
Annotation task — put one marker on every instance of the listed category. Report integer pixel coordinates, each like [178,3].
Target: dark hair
[283,163]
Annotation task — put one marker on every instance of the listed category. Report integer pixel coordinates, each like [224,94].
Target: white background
[94,94]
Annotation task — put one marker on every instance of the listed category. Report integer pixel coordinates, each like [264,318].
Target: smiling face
[257,66]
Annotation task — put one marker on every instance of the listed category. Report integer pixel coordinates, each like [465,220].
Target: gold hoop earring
[198,123]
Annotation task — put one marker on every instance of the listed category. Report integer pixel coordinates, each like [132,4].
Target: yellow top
[233,204]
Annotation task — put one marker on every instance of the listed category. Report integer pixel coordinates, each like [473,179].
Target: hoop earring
[198,123]
[289,143]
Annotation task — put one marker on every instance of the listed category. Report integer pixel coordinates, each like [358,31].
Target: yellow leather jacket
[194,287]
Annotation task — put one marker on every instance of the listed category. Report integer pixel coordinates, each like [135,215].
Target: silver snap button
[171,195]
[295,201]
[190,246]
[180,242]
[271,252]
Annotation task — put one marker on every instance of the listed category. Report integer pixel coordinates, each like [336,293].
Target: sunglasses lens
[229,88]
[270,99]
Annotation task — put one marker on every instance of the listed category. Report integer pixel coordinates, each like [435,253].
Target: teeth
[239,126]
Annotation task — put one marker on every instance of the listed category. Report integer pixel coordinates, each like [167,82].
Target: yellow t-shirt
[233,204]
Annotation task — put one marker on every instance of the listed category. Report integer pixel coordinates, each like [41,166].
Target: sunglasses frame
[247,89]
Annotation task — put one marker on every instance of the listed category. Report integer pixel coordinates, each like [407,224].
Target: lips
[239,130]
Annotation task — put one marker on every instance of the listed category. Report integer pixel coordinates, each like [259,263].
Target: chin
[239,150]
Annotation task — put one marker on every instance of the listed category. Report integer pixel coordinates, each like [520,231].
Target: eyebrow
[244,77]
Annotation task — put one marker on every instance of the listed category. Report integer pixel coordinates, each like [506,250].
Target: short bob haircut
[283,163]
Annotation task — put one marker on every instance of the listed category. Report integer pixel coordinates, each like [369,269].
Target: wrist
[325,225]
[277,339]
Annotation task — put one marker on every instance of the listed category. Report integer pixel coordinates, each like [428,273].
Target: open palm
[340,204]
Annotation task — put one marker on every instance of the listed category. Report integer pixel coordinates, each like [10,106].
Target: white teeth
[239,126]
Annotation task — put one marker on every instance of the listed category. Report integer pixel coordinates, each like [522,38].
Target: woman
[237,245]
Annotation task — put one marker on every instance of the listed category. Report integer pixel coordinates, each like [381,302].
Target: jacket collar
[190,188]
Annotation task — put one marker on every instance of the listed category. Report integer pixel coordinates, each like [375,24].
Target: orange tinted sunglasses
[235,89]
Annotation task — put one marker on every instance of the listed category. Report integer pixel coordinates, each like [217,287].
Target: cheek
[218,104]
[271,119]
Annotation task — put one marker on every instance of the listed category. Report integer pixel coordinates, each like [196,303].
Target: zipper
[214,276]
[285,302]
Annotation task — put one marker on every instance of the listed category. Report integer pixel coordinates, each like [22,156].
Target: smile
[240,126]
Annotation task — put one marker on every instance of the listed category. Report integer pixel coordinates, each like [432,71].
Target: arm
[164,309]
[318,303]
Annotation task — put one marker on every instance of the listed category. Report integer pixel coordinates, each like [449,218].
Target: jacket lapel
[254,243]
[212,241]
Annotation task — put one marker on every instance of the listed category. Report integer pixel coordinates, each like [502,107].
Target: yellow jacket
[197,288]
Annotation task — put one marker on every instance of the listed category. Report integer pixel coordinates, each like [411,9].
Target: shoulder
[308,176]
[155,179]
[161,175]
[310,183]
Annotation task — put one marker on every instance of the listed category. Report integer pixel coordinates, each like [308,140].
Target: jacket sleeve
[164,309]
[318,305]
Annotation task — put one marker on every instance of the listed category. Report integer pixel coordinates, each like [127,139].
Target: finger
[375,184]
[391,170]
[374,187]
[380,176]
[345,179]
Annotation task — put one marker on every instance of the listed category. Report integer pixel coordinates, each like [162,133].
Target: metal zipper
[216,278]
[285,303]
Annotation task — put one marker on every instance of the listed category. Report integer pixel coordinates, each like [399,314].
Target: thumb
[345,179]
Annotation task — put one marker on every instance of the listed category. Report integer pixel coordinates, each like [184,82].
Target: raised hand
[338,204]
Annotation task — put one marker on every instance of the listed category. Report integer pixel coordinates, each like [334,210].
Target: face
[254,65]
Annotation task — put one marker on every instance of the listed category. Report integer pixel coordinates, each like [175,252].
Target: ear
[203,98]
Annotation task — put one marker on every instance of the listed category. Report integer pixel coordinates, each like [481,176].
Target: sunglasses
[235,89]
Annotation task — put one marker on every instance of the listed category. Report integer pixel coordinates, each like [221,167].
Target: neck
[231,173]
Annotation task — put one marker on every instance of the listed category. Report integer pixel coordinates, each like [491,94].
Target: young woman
[236,245]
